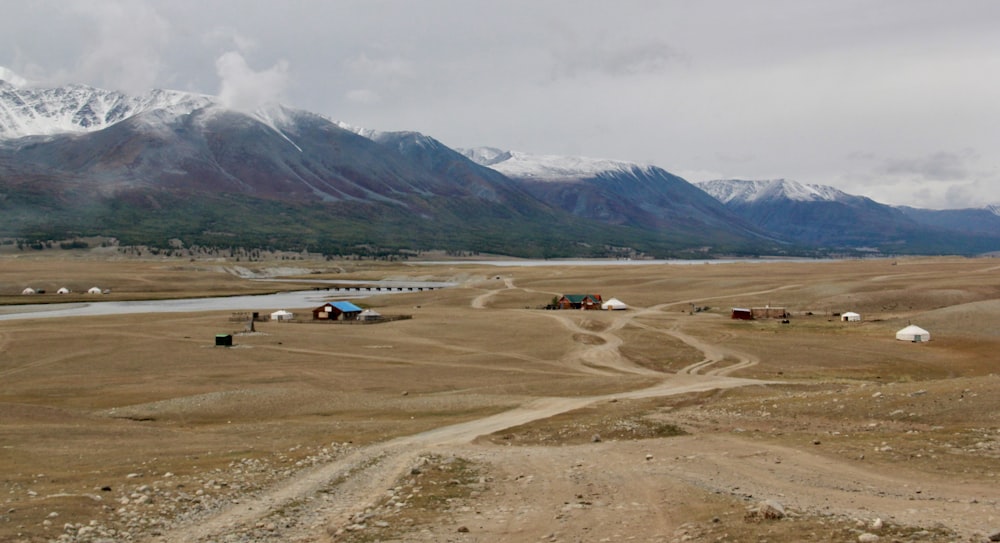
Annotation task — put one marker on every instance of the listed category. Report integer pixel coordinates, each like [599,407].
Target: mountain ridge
[820,215]
[616,192]
[77,160]
[211,175]
[746,190]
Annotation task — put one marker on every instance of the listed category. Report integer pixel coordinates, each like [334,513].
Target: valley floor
[485,419]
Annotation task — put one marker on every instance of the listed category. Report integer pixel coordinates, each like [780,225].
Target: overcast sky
[898,100]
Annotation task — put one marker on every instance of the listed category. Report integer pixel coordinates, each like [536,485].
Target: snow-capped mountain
[739,190]
[363,132]
[487,156]
[818,215]
[617,192]
[551,167]
[27,111]
[76,160]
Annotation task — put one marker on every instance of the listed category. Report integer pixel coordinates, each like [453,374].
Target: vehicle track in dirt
[351,483]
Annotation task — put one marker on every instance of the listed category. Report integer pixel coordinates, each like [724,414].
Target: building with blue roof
[337,311]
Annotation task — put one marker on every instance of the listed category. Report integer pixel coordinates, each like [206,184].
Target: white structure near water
[282,315]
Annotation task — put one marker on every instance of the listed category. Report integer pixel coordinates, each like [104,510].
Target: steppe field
[486,417]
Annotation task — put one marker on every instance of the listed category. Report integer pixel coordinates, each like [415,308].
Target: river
[261,302]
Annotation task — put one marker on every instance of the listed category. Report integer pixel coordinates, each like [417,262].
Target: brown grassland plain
[486,418]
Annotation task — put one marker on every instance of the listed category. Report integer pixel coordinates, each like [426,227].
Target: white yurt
[62,290]
[93,290]
[614,304]
[282,315]
[369,315]
[850,316]
[28,291]
[913,333]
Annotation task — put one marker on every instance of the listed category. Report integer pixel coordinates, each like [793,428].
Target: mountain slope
[167,165]
[624,194]
[979,221]
[78,108]
[823,216]
[171,165]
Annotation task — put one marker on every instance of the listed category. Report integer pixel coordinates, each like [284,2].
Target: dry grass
[85,402]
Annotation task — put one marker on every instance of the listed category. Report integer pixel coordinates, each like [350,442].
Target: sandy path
[811,482]
[479,302]
[370,470]
[716,464]
[726,465]
[646,490]
[367,472]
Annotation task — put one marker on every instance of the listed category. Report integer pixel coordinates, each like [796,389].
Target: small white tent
[850,316]
[63,290]
[93,290]
[282,315]
[913,333]
[28,291]
[614,303]
[369,315]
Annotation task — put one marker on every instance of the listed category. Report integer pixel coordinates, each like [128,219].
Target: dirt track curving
[803,481]
[369,471]
[664,422]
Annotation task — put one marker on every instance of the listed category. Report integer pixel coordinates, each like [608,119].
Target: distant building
[742,313]
[614,304]
[768,312]
[579,301]
[850,316]
[336,311]
[913,333]
[282,315]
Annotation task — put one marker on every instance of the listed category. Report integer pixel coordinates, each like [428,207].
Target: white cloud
[11,77]
[651,57]
[363,96]
[128,41]
[230,37]
[937,166]
[390,68]
[244,89]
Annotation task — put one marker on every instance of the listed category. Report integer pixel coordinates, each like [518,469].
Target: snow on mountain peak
[486,156]
[363,132]
[26,111]
[547,167]
[741,190]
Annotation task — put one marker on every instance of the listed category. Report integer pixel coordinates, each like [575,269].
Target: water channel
[346,289]
[261,302]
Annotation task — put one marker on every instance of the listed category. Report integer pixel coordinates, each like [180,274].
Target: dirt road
[370,470]
[604,491]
